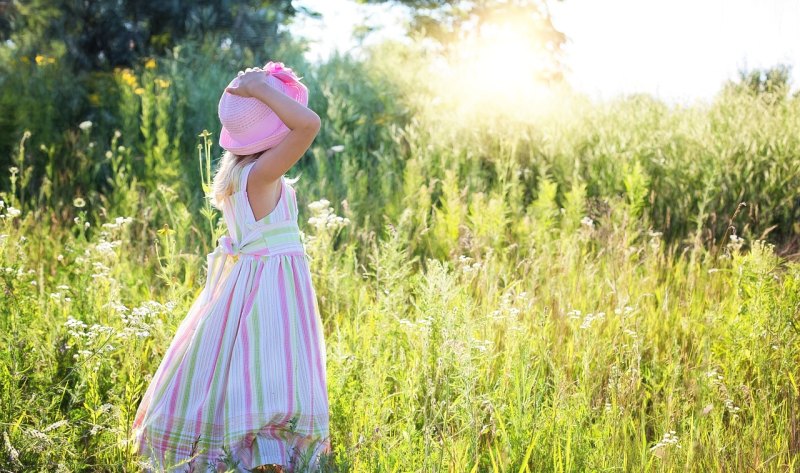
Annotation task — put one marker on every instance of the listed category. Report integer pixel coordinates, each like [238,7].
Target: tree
[772,83]
[102,34]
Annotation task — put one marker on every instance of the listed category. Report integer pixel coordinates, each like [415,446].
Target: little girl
[243,382]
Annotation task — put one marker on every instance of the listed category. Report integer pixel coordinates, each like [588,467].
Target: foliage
[101,35]
[582,291]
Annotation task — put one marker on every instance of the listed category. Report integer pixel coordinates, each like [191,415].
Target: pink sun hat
[248,124]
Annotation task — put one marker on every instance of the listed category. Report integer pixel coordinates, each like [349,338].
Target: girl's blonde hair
[230,166]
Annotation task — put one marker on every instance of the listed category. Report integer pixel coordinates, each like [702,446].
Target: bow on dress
[253,244]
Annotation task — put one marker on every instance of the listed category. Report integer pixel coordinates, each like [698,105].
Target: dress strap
[243,177]
[292,200]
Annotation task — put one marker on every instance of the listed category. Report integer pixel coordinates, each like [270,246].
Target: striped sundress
[244,377]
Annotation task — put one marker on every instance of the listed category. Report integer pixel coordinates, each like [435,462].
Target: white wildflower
[55,425]
[12,452]
[667,441]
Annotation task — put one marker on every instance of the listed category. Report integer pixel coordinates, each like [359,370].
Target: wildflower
[324,216]
[85,125]
[587,222]
[13,212]
[138,91]
[337,148]
[587,321]
[129,78]
[105,247]
[318,205]
[668,440]
[162,83]
[14,170]
[150,64]
[12,452]
[55,425]
[41,440]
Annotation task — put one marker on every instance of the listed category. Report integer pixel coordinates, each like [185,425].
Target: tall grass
[564,293]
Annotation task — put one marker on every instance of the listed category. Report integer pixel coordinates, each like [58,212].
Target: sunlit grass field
[554,285]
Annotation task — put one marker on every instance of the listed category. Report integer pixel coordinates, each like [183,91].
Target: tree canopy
[103,34]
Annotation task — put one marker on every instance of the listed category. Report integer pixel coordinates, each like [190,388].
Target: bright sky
[677,50]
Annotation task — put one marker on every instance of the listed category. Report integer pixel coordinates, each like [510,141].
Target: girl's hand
[249,79]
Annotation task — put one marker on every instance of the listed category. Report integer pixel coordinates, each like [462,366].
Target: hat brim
[273,134]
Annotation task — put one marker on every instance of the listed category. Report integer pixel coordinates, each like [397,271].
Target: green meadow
[537,286]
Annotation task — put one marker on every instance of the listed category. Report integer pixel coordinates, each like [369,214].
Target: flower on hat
[276,67]
[279,70]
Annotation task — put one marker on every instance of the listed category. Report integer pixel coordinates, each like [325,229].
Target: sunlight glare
[498,71]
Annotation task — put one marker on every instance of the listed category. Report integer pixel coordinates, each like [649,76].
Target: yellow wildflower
[162,83]
[150,64]
[138,91]
[129,78]
[40,59]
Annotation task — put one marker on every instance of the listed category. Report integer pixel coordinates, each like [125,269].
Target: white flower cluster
[78,330]
[118,222]
[507,309]
[40,440]
[717,381]
[100,270]
[13,453]
[589,318]
[623,311]
[141,320]
[324,218]
[735,243]
[11,212]
[106,247]
[668,440]
[467,266]
[55,425]
[59,296]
